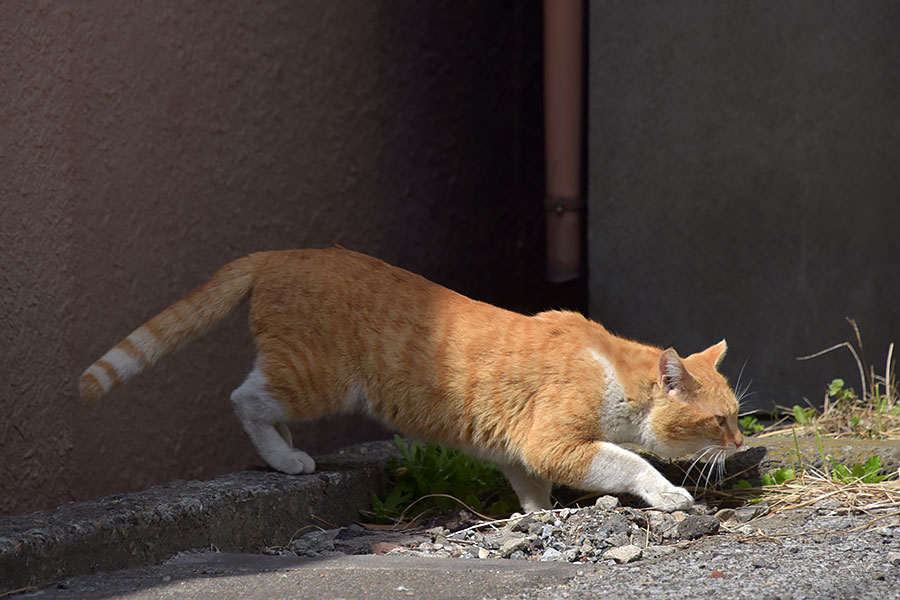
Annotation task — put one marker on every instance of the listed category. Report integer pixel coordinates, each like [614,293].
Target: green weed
[874,412]
[779,476]
[447,477]
[751,425]
[868,472]
[839,393]
[803,415]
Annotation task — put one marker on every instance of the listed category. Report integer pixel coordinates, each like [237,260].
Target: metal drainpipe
[563,56]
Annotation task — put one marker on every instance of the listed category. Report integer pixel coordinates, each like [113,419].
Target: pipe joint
[561,204]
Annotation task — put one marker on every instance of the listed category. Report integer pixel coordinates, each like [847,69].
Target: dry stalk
[872,413]
[810,488]
[859,365]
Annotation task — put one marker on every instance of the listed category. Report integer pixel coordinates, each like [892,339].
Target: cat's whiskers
[742,392]
[722,468]
[737,384]
[712,470]
[717,465]
[701,454]
[709,467]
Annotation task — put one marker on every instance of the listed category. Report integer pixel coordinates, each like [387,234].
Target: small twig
[332,525]
[739,473]
[848,346]
[499,521]
[294,535]
[870,523]
[760,536]
[862,352]
[469,508]
[23,590]
[888,388]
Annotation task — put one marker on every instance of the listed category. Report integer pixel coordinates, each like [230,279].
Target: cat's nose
[738,440]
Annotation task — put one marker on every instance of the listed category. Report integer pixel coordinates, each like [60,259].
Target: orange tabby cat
[546,397]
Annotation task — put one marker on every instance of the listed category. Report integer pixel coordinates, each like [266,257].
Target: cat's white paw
[295,463]
[674,498]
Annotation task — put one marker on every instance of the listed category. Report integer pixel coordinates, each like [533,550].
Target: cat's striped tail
[182,322]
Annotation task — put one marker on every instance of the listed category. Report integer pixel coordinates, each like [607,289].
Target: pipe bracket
[561,204]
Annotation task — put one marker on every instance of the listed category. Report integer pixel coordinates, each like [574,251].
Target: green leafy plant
[873,412]
[838,392]
[778,476]
[803,415]
[751,425]
[868,472]
[447,477]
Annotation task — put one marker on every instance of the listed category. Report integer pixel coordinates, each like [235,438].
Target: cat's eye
[721,420]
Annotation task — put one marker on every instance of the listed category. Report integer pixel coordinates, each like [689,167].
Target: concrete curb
[238,512]
[246,511]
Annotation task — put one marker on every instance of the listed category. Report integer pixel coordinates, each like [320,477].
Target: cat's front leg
[615,469]
[604,467]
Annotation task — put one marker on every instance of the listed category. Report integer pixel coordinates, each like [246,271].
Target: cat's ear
[674,377]
[715,353]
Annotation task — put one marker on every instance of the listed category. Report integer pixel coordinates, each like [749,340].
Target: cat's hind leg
[263,419]
[533,491]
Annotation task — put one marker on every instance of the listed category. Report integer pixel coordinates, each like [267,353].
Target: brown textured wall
[144,144]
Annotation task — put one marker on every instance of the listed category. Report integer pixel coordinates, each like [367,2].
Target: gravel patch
[604,534]
[822,551]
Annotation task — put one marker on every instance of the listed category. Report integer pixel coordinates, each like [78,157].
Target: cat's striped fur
[547,397]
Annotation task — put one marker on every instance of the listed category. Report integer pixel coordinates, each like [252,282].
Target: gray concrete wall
[744,181]
[142,145]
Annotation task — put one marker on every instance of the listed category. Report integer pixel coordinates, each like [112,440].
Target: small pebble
[513,544]
[551,554]
[570,555]
[619,539]
[748,513]
[826,506]
[726,514]
[624,554]
[659,551]
[607,502]
[697,526]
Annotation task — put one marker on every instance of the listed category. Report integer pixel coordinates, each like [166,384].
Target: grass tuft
[872,414]
[432,479]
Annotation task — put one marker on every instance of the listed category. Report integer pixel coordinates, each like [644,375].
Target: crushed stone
[606,533]
[748,552]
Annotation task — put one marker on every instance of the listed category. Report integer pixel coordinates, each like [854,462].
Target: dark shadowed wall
[142,145]
[744,182]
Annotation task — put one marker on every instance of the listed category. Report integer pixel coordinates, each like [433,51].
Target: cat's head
[694,407]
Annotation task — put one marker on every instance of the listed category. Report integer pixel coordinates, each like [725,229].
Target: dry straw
[874,413]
